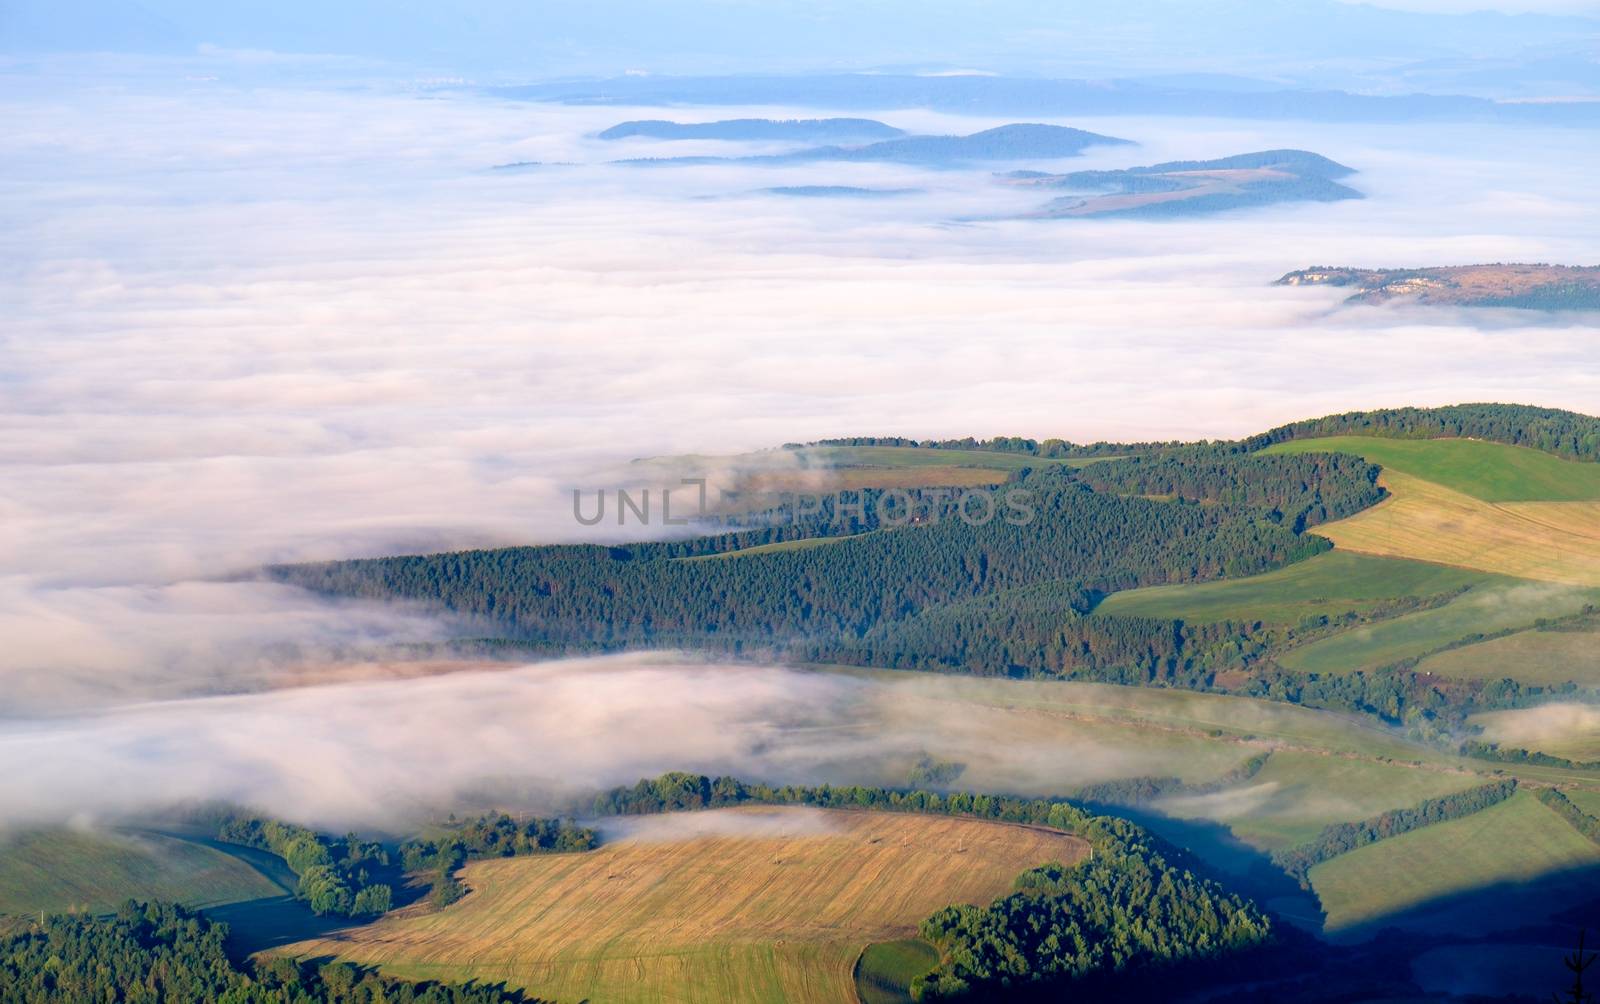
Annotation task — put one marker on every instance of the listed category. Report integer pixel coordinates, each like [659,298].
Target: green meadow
[1495,605]
[1546,658]
[1329,584]
[1491,472]
[62,870]
[1518,840]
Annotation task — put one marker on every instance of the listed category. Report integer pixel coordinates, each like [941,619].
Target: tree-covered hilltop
[1563,433]
[1525,286]
[1090,530]
[337,874]
[1136,906]
[835,130]
[154,953]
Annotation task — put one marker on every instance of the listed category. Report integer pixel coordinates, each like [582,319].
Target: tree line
[336,874]
[1581,821]
[1339,838]
[1553,430]
[159,953]
[492,835]
[1137,791]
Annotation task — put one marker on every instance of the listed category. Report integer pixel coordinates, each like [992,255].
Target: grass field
[1517,840]
[61,870]
[1236,725]
[1537,657]
[1492,606]
[1490,472]
[887,968]
[1297,794]
[1328,584]
[768,904]
[1550,541]
[1586,799]
[1564,730]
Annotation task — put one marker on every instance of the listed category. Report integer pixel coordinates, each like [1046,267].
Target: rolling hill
[1531,287]
[834,130]
[1484,506]
[1192,187]
[1017,141]
[61,870]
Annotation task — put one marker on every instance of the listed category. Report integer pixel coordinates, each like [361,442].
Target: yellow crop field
[749,904]
[1550,541]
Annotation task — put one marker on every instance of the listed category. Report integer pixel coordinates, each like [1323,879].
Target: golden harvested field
[750,904]
[1550,541]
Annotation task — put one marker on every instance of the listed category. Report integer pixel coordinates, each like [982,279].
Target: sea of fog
[268,323]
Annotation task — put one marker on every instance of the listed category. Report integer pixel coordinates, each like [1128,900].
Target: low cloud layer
[390,754]
[265,325]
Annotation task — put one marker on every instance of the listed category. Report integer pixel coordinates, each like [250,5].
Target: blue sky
[1308,41]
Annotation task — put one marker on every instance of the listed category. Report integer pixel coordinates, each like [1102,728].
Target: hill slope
[1534,287]
[1194,187]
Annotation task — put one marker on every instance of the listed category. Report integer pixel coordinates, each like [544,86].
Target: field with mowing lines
[1490,607]
[1537,657]
[1297,794]
[1490,472]
[1425,521]
[750,904]
[1328,584]
[61,870]
[1565,730]
[1515,841]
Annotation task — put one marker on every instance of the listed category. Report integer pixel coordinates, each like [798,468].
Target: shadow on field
[1242,868]
[1566,899]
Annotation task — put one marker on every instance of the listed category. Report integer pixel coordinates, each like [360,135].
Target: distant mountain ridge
[1017,141]
[1046,97]
[1194,187]
[832,130]
[1528,286]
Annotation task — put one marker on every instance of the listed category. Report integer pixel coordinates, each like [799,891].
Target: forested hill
[835,130]
[1563,433]
[1069,538]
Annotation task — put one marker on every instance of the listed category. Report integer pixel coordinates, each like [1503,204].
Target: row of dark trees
[1564,433]
[1339,838]
[1137,791]
[1581,821]
[493,835]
